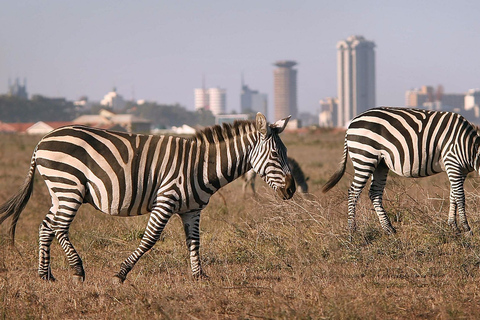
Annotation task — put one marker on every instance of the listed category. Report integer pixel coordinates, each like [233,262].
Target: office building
[285,89]
[356,77]
[201,99]
[17,90]
[113,100]
[328,116]
[217,98]
[213,99]
[252,101]
[429,98]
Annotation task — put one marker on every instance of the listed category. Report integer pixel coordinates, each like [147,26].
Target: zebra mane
[220,133]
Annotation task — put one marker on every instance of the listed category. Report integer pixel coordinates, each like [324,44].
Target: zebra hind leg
[191,225]
[460,200]
[379,180]
[457,196]
[46,235]
[157,222]
[359,181]
[73,258]
[452,213]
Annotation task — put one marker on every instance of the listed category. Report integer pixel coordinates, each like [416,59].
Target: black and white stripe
[128,174]
[412,143]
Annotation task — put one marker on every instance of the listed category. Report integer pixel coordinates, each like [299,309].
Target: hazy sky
[159,50]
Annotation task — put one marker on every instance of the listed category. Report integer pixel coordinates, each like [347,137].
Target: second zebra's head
[269,157]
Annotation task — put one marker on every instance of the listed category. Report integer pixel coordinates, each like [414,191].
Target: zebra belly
[122,204]
[425,168]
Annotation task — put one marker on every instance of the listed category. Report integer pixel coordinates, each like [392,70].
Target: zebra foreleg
[191,225]
[377,187]
[157,222]
[46,235]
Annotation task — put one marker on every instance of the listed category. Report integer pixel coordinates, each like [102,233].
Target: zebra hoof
[468,233]
[200,276]
[117,279]
[390,230]
[456,230]
[78,279]
[48,278]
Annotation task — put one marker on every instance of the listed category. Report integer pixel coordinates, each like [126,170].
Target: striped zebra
[129,174]
[297,173]
[412,143]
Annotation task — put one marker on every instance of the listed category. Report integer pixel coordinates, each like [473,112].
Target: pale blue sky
[160,49]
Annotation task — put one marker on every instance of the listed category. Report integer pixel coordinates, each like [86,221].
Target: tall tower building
[285,89]
[356,77]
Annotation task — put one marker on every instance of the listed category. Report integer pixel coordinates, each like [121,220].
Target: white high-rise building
[217,98]
[201,99]
[213,99]
[356,77]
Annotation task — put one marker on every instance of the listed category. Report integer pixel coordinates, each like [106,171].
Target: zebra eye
[274,154]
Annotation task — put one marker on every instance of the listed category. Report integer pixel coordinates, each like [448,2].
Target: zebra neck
[225,160]
[476,158]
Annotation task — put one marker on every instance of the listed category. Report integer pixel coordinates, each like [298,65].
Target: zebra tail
[335,178]
[15,205]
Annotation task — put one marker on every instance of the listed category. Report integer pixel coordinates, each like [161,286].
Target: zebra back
[413,142]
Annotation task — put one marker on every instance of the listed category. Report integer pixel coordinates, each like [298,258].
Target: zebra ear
[262,126]
[280,124]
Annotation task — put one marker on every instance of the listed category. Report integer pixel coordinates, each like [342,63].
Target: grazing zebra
[128,174]
[412,143]
[297,173]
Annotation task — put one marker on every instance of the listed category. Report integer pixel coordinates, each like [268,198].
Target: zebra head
[269,157]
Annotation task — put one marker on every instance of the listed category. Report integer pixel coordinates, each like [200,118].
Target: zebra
[297,173]
[412,143]
[125,174]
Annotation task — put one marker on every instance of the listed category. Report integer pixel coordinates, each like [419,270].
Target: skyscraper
[285,89]
[356,77]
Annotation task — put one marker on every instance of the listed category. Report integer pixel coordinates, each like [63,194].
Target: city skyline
[76,49]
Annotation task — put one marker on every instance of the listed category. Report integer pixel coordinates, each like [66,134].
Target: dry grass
[266,258]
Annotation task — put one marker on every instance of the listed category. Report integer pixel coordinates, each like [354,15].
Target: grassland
[266,258]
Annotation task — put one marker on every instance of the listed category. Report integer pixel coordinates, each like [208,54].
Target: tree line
[40,108]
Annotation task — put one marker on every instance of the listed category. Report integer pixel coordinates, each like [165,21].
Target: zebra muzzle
[289,190]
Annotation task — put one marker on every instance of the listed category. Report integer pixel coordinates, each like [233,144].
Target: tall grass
[266,258]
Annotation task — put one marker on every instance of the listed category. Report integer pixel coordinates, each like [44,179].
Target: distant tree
[205,118]
[39,108]
[168,115]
